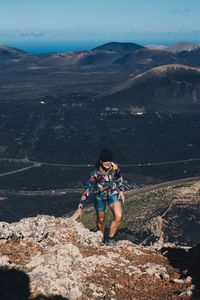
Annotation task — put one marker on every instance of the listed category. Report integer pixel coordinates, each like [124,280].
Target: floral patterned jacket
[103,185]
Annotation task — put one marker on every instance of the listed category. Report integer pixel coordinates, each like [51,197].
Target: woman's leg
[117,218]
[100,206]
[101,220]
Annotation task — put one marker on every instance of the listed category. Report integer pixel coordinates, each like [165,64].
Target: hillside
[147,58]
[160,214]
[10,52]
[113,56]
[190,57]
[182,46]
[158,89]
[102,55]
[118,47]
[130,57]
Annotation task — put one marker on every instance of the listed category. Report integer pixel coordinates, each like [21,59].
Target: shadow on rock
[15,285]
[40,297]
[188,262]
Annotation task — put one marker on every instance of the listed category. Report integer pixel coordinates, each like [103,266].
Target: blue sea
[60,46]
[55,46]
[44,46]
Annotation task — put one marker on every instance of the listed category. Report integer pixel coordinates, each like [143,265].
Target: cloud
[31,34]
[185,10]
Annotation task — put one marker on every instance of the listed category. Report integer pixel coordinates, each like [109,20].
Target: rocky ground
[57,258]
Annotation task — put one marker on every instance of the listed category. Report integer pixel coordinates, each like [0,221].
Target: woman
[107,186]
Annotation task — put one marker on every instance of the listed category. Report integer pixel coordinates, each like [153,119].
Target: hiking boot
[104,239]
[110,241]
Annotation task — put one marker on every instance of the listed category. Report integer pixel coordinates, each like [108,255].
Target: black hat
[106,155]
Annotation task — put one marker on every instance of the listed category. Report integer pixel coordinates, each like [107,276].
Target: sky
[97,19]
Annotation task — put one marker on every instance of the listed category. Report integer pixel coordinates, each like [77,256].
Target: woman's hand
[122,196]
[78,213]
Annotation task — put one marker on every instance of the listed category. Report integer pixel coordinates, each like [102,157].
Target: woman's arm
[120,179]
[88,189]
[121,184]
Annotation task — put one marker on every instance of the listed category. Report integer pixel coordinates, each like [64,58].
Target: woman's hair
[104,155]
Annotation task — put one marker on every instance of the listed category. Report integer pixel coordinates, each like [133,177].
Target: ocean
[59,46]
[52,46]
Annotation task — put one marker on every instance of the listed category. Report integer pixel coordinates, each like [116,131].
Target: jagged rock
[155,270]
[61,257]
[4,261]
[36,230]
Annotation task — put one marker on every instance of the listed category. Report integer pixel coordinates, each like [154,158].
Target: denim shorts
[100,204]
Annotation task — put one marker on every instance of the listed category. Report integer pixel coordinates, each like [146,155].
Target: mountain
[160,88]
[129,56]
[182,46]
[117,47]
[10,52]
[145,58]
[62,59]
[190,57]
[102,55]
[77,59]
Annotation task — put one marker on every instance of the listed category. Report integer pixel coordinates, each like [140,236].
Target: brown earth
[59,257]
